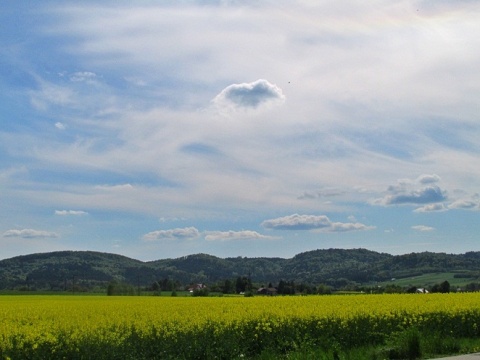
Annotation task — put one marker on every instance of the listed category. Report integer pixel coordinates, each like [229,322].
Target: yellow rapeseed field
[219,327]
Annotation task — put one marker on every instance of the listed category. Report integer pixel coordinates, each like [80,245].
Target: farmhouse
[194,287]
[267,291]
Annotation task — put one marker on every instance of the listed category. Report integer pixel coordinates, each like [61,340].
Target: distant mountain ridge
[335,267]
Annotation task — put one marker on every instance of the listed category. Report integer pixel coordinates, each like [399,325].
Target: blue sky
[267,128]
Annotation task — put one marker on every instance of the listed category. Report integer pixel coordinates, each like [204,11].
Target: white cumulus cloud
[249,95]
[428,179]
[312,222]
[429,194]
[298,222]
[465,204]
[419,192]
[187,233]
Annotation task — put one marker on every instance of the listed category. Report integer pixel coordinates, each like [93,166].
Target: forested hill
[335,267]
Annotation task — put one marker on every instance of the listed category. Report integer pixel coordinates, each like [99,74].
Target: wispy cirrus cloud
[312,222]
[29,234]
[157,129]
[51,94]
[119,187]
[83,76]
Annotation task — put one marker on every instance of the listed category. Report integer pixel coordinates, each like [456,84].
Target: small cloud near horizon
[236,235]
[422,228]
[437,207]
[312,222]
[188,233]
[29,234]
[70,212]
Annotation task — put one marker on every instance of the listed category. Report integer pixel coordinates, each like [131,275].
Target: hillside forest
[318,271]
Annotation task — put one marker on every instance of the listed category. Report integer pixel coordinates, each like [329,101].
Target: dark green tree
[323,289]
[445,287]
[243,284]
[228,287]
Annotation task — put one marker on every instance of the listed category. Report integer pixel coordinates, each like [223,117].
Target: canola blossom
[83,327]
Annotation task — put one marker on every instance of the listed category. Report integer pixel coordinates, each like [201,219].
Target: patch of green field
[428,280]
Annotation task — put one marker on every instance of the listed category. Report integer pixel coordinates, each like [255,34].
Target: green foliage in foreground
[409,344]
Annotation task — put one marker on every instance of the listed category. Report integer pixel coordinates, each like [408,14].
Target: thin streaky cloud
[422,228]
[236,235]
[70,212]
[29,234]
[431,208]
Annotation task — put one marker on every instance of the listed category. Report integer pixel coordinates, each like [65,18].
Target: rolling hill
[335,267]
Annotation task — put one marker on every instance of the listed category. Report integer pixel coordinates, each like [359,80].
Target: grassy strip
[410,345]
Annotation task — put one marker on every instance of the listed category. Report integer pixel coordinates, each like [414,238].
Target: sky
[160,129]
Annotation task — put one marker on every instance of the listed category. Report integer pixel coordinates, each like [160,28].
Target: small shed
[421,291]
